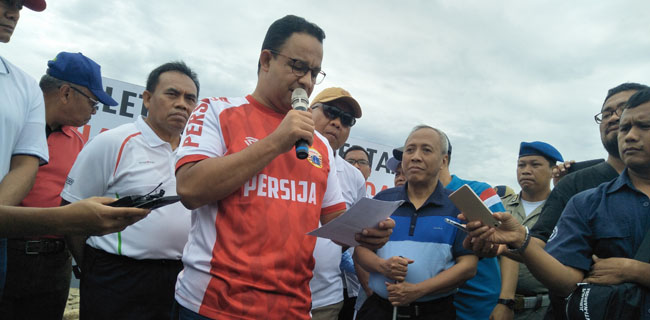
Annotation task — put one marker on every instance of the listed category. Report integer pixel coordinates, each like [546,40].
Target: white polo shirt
[327,284]
[132,160]
[22,116]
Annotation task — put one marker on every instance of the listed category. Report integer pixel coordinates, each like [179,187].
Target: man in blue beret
[521,293]
[39,267]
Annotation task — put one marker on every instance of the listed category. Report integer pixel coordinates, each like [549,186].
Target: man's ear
[445,161]
[146,98]
[265,60]
[64,93]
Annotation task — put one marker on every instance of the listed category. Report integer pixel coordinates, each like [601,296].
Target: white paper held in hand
[367,213]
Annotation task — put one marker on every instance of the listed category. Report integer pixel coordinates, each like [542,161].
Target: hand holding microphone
[300,101]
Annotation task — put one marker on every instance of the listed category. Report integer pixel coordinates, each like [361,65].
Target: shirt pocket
[611,238]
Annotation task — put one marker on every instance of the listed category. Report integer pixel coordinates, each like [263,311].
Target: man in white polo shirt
[22,115]
[334,112]
[131,274]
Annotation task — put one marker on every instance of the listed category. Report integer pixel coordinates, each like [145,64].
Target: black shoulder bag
[620,301]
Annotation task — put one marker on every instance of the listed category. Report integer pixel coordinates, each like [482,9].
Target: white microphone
[300,101]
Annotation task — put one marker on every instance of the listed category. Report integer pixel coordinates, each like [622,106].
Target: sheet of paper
[366,213]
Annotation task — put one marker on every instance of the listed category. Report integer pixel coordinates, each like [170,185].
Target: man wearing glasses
[586,178]
[248,255]
[359,157]
[70,80]
[334,112]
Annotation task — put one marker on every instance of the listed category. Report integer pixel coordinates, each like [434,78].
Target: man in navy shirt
[423,263]
[600,229]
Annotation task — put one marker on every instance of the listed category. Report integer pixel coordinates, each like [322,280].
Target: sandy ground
[72,308]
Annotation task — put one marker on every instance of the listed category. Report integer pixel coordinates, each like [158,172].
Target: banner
[129,97]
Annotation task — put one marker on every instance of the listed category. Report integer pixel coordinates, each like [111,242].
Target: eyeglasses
[606,114]
[94,103]
[300,68]
[360,162]
[332,112]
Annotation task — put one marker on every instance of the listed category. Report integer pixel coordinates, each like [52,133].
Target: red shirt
[248,255]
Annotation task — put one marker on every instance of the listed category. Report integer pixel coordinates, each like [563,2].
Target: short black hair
[178,66]
[283,28]
[356,148]
[637,99]
[624,87]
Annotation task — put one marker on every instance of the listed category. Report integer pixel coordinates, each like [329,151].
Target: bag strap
[643,253]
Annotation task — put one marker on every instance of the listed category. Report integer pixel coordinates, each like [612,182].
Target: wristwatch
[510,303]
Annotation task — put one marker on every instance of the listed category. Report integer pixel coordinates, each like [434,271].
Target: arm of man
[363,277]
[19,180]
[403,293]
[87,217]
[509,277]
[549,271]
[619,270]
[195,181]
[393,268]
[75,243]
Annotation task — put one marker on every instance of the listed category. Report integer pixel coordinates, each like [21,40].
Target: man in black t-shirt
[593,176]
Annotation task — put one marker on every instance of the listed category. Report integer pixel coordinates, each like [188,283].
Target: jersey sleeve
[202,137]
[333,199]
[91,170]
[491,199]
[32,140]
[361,191]
[570,241]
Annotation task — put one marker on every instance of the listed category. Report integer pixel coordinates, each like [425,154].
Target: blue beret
[538,148]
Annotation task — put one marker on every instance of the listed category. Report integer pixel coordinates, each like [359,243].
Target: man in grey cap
[39,267]
[521,293]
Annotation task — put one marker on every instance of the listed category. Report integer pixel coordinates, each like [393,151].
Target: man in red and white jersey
[253,201]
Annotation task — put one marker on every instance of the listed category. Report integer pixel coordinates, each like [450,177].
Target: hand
[482,248]
[296,125]
[610,270]
[509,232]
[501,312]
[377,237]
[92,217]
[402,293]
[561,170]
[395,268]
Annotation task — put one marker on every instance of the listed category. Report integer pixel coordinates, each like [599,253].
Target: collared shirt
[132,160]
[22,126]
[421,235]
[326,285]
[248,255]
[64,145]
[527,284]
[608,221]
[569,186]
[478,296]
[22,116]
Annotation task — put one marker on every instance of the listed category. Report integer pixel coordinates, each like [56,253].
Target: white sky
[489,73]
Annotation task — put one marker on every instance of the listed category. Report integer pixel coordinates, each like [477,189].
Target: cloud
[491,74]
